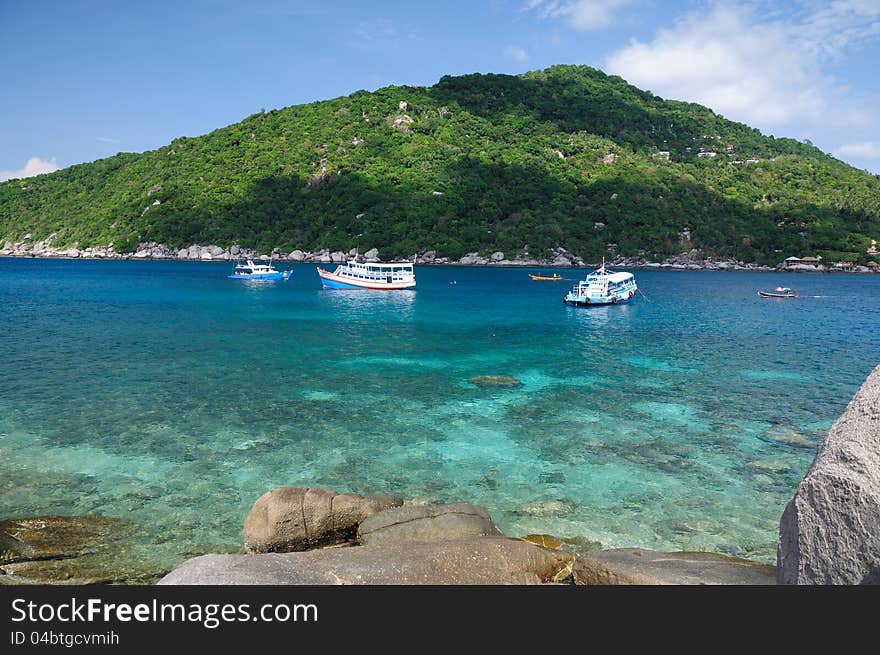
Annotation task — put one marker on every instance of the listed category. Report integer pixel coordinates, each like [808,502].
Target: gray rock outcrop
[636,566]
[299,518]
[426,523]
[830,530]
[480,560]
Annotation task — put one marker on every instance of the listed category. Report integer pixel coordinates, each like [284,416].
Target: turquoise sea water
[167,394]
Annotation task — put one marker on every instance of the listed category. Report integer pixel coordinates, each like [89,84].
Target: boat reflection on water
[363,304]
[604,315]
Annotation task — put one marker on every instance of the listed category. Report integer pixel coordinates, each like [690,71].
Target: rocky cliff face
[830,531]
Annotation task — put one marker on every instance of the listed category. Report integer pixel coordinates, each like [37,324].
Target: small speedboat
[252,271]
[554,277]
[779,292]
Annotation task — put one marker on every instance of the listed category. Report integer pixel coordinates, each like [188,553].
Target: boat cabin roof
[611,277]
[378,265]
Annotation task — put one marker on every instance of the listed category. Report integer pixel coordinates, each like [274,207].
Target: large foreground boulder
[635,566]
[426,523]
[830,530]
[481,560]
[299,518]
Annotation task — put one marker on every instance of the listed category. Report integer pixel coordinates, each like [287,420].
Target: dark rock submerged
[68,550]
[501,381]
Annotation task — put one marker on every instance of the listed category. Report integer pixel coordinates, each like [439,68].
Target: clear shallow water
[166,394]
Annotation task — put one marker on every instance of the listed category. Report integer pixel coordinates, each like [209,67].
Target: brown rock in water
[479,560]
[636,566]
[299,518]
[502,381]
[426,523]
[68,550]
[544,541]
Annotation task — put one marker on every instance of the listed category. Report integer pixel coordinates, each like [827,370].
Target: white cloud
[515,52]
[841,25]
[106,139]
[865,151]
[34,166]
[753,76]
[382,35]
[380,29]
[583,15]
[763,72]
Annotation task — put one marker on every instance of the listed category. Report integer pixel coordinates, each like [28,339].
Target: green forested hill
[479,162]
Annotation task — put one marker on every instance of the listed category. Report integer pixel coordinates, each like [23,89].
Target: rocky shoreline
[301,535]
[686,261]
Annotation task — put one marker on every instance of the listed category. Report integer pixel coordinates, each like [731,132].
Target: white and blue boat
[251,271]
[602,287]
[369,275]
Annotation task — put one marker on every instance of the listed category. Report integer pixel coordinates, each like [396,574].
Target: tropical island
[561,166]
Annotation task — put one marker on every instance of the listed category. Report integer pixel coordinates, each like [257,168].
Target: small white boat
[252,271]
[779,292]
[602,287]
[356,275]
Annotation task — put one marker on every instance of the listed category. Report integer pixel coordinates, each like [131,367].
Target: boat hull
[594,301]
[261,276]
[581,301]
[767,294]
[331,281]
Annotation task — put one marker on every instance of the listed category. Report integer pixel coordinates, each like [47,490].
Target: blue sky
[85,79]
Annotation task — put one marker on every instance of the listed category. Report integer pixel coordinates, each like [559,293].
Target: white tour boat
[369,275]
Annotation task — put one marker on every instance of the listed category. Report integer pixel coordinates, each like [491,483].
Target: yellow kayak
[554,278]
